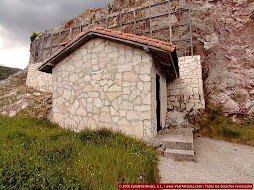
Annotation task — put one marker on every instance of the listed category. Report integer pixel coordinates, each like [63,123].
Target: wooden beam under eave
[51,64]
[174,66]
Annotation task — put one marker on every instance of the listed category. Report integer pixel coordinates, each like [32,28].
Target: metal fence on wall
[168,21]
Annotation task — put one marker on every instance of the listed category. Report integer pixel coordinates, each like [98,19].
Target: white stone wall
[105,84]
[37,79]
[186,92]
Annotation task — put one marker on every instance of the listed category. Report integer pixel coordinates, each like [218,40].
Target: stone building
[121,81]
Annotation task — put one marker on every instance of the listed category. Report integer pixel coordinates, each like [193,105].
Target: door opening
[158,103]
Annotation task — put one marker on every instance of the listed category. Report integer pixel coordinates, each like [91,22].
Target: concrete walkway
[217,162]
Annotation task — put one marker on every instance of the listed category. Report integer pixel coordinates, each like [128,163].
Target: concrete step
[179,145]
[187,155]
[178,139]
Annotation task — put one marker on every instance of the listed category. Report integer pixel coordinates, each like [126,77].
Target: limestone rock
[231,106]
[12,113]
[24,105]
[251,111]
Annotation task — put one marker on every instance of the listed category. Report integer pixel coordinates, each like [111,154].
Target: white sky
[20,18]
[15,55]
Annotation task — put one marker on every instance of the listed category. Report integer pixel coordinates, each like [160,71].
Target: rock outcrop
[223,32]
[16,99]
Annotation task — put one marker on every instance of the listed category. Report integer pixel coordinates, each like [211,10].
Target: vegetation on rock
[215,124]
[36,154]
[33,36]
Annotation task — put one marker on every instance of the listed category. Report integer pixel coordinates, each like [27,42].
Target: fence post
[80,28]
[170,24]
[191,40]
[35,51]
[42,48]
[106,22]
[134,15]
[70,34]
[151,28]
[59,39]
[121,22]
[51,40]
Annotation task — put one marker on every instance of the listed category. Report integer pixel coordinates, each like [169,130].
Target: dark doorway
[158,103]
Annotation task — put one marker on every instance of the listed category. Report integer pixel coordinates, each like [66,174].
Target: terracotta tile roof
[116,35]
[125,36]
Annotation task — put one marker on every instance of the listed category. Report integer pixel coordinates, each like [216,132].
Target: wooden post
[70,34]
[170,24]
[42,48]
[59,39]
[191,41]
[121,22]
[35,51]
[134,15]
[151,28]
[106,22]
[51,40]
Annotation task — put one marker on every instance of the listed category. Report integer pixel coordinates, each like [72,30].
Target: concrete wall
[105,84]
[186,92]
[38,80]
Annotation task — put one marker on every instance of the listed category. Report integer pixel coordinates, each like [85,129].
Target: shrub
[33,36]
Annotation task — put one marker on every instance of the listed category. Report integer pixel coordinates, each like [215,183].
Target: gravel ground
[217,162]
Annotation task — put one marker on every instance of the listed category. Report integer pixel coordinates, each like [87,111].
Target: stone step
[187,155]
[178,139]
[179,145]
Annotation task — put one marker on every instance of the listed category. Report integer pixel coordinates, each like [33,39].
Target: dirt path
[217,162]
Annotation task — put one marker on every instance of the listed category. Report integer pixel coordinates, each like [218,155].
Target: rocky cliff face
[223,32]
[224,36]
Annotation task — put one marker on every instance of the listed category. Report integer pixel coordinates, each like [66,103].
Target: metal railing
[169,21]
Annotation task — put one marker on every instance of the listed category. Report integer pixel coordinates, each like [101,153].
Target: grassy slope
[5,72]
[214,124]
[36,154]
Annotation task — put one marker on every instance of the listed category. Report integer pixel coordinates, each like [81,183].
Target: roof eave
[51,62]
[64,53]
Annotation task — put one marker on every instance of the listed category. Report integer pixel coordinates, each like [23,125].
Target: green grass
[214,124]
[36,154]
[5,72]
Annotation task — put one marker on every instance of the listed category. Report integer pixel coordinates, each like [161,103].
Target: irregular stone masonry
[105,84]
[186,92]
[38,80]
[112,85]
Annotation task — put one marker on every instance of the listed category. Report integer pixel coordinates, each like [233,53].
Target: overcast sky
[20,18]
